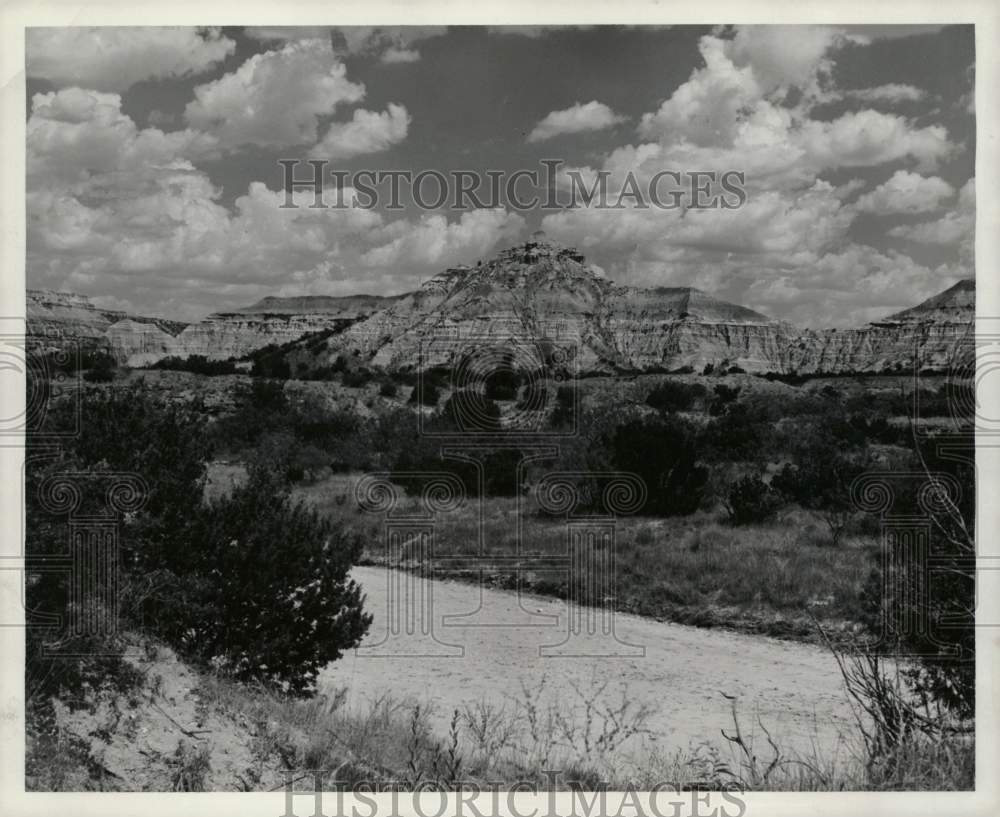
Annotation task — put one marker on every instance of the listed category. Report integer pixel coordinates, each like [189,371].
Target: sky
[154,186]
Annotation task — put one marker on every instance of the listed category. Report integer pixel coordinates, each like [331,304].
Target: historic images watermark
[319,794]
[550,188]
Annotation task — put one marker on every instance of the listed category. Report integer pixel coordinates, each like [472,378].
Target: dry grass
[588,738]
[770,578]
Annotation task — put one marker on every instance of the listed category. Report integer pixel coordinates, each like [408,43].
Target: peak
[956,302]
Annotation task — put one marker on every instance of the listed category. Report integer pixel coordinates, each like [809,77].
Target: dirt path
[682,671]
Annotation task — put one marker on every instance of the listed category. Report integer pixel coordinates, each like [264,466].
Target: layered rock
[540,298]
[59,320]
[544,293]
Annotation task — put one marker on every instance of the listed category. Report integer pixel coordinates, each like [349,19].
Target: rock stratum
[61,320]
[539,295]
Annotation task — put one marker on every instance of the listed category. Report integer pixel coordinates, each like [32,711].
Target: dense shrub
[102,369]
[820,475]
[426,393]
[272,600]
[388,389]
[750,499]
[663,451]
[198,364]
[928,614]
[357,378]
[564,411]
[672,395]
[470,410]
[252,580]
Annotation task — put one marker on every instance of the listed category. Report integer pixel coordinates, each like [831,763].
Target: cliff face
[58,320]
[539,295]
[543,292]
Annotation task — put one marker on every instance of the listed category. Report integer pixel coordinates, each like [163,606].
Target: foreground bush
[267,594]
[254,582]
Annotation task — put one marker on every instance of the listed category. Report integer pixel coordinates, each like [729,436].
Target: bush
[357,378]
[198,364]
[674,396]
[663,452]
[273,601]
[253,580]
[426,393]
[820,477]
[565,407]
[102,369]
[750,499]
[388,389]
[468,410]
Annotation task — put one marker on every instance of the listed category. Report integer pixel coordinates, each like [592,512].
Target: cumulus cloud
[275,98]
[391,44]
[578,118]
[113,59]
[731,112]
[906,192]
[367,132]
[433,241]
[112,207]
[955,227]
[892,92]
[76,135]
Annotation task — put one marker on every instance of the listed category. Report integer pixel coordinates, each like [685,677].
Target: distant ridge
[315,304]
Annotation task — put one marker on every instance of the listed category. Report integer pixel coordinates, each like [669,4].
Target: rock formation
[536,296]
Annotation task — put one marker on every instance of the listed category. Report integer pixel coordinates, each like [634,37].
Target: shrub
[102,369]
[674,396]
[198,364]
[388,389]
[356,378]
[273,599]
[468,410]
[565,407]
[663,452]
[426,393]
[750,499]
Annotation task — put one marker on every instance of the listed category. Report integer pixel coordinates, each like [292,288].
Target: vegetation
[748,521]
[204,577]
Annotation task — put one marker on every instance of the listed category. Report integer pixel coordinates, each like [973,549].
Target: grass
[587,738]
[772,578]
[558,738]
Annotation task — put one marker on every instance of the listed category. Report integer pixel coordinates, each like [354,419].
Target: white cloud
[286,34]
[76,135]
[730,113]
[434,242]
[892,92]
[392,44]
[275,98]
[906,192]
[112,208]
[956,227]
[578,118]
[112,58]
[367,132]
[395,56]
[783,57]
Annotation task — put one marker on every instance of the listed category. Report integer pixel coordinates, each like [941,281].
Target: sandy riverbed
[486,643]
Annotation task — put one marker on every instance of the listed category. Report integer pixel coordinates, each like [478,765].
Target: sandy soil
[485,643]
[136,742]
